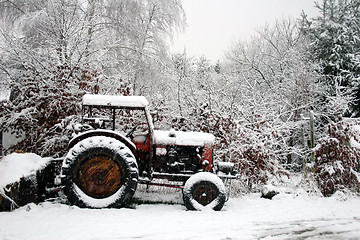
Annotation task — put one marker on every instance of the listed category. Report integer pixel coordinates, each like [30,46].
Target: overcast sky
[213,25]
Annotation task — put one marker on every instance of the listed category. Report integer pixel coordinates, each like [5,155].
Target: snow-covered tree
[336,46]
[277,82]
[137,46]
[252,103]
[59,50]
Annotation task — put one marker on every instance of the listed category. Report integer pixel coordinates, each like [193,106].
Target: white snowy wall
[8,140]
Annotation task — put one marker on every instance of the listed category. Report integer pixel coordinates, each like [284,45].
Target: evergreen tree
[336,46]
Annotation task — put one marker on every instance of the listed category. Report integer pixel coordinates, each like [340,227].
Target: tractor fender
[102,132]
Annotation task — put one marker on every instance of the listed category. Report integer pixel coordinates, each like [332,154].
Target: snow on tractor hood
[182,138]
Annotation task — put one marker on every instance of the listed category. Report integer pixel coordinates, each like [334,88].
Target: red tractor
[103,167]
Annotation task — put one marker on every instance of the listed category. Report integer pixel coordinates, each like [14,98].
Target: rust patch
[100,177]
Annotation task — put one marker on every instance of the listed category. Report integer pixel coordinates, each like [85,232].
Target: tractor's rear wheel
[203,191]
[99,172]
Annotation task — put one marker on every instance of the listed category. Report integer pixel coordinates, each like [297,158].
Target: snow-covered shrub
[336,160]
[251,145]
[255,157]
[255,164]
[43,106]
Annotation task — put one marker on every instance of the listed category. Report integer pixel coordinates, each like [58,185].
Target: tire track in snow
[311,229]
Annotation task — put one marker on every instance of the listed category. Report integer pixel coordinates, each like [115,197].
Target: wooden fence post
[312,136]
[303,145]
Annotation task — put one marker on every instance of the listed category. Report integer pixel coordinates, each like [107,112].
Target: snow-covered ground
[249,217]
[292,214]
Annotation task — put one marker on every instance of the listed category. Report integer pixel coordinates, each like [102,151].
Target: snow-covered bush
[44,105]
[336,161]
[253,145]
[255,157]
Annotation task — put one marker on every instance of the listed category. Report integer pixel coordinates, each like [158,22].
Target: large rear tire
[204,190]
[99,172]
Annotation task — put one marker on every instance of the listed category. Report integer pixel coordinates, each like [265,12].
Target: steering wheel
[130,133]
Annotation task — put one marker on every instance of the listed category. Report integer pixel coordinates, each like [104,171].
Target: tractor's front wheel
[99,172]
[204,190]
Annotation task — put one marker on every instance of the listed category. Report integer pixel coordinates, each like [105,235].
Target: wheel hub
[204,194]
[99,177]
